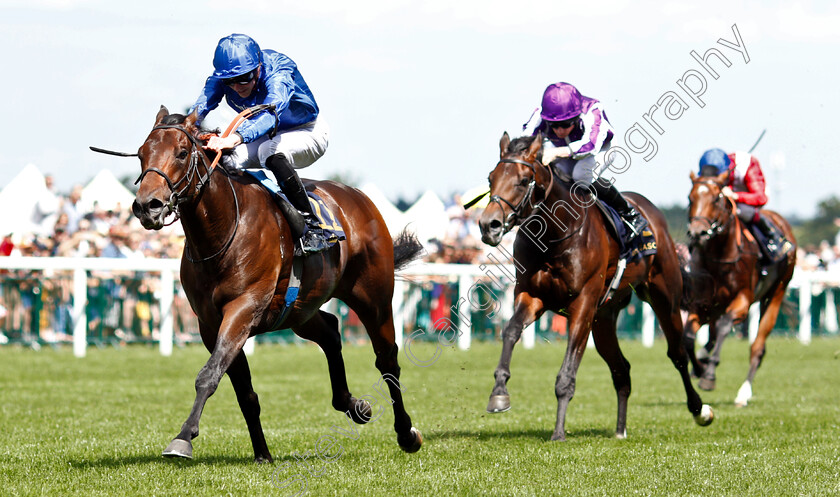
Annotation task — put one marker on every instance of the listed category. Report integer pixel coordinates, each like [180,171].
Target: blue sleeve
[209,99]
[280,85]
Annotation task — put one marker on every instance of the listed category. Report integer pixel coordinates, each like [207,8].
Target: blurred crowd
[822,257]
[62,228]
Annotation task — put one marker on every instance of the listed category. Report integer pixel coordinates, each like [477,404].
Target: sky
[418,93]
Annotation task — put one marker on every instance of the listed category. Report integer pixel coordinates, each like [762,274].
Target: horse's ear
[535,148]
[693,177]
[723,178]
[189,122]
[163,112]
[503,144]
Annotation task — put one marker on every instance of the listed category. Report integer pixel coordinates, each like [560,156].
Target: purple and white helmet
[561,101]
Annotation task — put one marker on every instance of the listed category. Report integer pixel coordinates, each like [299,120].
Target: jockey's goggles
[242,79]
[562,124]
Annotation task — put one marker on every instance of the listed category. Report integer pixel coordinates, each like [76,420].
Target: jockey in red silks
[576,138]
[746,186]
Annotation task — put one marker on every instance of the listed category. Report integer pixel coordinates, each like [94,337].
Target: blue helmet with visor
[714,162]
[236,54]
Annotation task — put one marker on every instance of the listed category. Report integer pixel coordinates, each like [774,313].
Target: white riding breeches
[302,146]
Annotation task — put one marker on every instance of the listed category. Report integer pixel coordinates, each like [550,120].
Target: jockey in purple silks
[576,138]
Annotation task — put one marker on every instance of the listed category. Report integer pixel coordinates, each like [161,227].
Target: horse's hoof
[178,448]
[360,412]
[706,384]
[621,435]
[415,444]
[744,395]
[558,437]
[498,403]
[706,416]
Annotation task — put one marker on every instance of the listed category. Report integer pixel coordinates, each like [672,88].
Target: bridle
[515,214]
[716,225]
[180,194]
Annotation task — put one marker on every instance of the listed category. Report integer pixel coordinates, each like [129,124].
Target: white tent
[107,192]
[18,200]
[428,217]
[394,218]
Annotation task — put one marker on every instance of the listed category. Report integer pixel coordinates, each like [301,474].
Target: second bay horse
[568,269]
[727,277]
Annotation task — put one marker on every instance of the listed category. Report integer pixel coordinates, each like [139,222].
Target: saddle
[333,230]
[629,250]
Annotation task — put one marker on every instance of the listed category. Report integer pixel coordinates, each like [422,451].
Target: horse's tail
[407,248]
[698,285]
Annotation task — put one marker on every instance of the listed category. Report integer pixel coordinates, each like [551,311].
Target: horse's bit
[178,197]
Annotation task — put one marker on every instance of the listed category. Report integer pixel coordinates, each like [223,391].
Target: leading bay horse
[568,269]
[725,278]
[237,264]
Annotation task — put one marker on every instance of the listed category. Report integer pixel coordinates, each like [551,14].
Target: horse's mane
[521,144]
[173,119]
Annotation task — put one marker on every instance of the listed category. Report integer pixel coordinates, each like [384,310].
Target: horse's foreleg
[526,310]
[581,314]
[323,330]
[736,312]
[692,324]
[769,314]
[240,376]
[606,343]
[227,345]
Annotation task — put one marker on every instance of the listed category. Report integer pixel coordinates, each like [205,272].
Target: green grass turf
[97,426]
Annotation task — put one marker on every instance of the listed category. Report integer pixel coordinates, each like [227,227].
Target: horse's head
[709,210]
[517,185]
[172,154]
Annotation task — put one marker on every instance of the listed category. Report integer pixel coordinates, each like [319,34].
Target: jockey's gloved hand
[551,154]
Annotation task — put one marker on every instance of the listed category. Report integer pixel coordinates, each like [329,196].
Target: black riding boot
[312,238]
[608,194]
[775,239]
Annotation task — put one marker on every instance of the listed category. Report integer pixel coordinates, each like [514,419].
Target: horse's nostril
[495,224]
[154,204]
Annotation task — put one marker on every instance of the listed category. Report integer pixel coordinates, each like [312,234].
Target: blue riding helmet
[716,158]
[235,55]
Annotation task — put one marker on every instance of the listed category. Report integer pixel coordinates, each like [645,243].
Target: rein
[180,196]
[515,214]
[716,227]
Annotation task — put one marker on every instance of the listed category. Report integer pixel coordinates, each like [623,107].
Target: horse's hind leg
[606,343]
[240,376]
[769,314]
[666,308]
[376,315]
[323,330]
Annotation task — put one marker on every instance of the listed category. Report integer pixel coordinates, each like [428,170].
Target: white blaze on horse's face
[702,189]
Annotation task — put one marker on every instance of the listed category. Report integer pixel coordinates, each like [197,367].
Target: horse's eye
[524,182]
[183,155]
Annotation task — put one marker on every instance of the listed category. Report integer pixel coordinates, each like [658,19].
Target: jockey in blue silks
[293,137]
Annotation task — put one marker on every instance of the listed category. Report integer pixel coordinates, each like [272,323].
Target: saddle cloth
[329,223]
[640,247]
